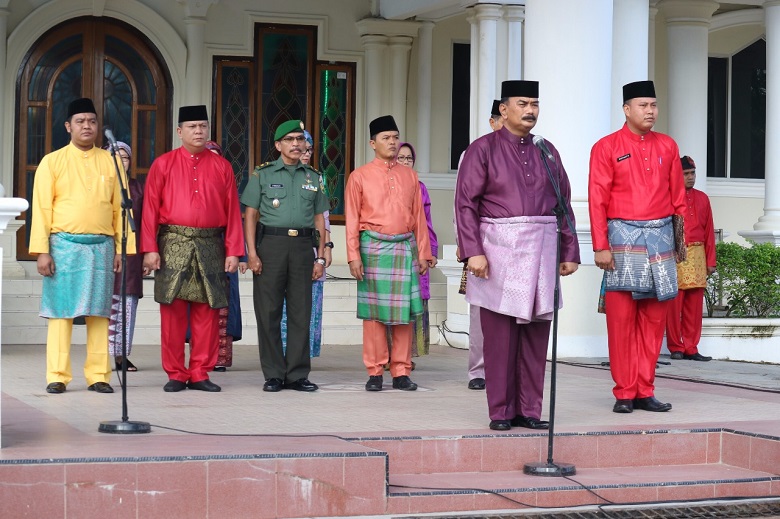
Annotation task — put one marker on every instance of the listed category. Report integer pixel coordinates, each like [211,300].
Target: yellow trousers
[97,367]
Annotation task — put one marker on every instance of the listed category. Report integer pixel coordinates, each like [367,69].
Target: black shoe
[404,383]
[500,425]
[374,383]
[220,369]
[55,388]
[174,386]
[477,383]
[302,384]
[272,385]
[204,385]
[529,423]
[677,355]
[697,356]
[651,403]
[623,406]
[101,387]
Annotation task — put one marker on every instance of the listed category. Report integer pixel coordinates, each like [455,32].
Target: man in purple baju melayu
[504,205]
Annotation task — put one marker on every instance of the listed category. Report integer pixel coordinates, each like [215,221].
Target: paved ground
[718,393]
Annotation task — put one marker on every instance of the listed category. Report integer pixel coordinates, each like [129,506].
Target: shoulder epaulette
[257,169]
[313,169]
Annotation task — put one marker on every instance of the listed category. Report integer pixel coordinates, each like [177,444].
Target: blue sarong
[645,261]
[83,279]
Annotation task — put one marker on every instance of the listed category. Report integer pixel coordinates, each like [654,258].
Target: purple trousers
[515,359]
[476,341]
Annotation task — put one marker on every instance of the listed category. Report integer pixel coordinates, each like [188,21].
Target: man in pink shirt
[387,246]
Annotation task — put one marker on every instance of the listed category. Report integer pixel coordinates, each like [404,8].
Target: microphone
[540,143]
[112,141]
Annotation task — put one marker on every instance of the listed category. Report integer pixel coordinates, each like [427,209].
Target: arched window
[103,59]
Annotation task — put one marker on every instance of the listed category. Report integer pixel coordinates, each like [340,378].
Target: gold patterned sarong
[192,266]
[692,273]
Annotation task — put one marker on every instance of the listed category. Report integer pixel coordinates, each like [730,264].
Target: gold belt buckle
[292,232]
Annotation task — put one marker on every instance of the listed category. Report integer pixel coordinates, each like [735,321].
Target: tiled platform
[343,451]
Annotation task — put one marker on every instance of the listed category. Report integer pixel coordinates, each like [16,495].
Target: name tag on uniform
[309,187]
[276,185]
[624,157]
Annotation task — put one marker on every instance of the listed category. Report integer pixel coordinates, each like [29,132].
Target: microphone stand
[124,426]
[551,468]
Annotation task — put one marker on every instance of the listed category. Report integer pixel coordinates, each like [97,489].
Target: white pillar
[514,16]
[565,68]
[424,101]
[399,55]
[474,77]
[630,42]
[195,24]
[375,47]
[6,177]
[688,23]
[651,44]
[487,16]
[767,229]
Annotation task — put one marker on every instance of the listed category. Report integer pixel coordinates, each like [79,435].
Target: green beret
[288,127]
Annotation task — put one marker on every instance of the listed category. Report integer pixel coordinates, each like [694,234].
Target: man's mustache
[529,118]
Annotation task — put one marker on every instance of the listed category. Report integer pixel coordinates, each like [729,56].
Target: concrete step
[21,299]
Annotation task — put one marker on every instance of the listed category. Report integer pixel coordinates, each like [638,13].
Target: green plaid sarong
[390,289]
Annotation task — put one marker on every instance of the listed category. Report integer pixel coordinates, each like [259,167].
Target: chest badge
[275,202]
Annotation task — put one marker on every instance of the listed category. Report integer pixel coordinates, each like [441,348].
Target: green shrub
[746,281]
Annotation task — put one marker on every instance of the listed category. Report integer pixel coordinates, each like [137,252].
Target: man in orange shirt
[683,321]
[387,246]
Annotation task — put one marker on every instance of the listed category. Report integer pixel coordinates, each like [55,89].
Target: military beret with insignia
[293,126]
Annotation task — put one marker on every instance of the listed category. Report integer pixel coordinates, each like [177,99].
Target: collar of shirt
[634,137]
[199,155]
[81,153]
[389,164]
[505,134]
[280,165]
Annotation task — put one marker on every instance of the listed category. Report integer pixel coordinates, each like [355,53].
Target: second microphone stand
[551,468]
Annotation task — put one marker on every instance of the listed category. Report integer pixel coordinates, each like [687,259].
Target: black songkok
[494,111]
[386,123]
[687,163]
[520,88]
[638,89]
[81,106]
[193,113]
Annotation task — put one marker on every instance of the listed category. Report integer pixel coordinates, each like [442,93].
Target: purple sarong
[521,261]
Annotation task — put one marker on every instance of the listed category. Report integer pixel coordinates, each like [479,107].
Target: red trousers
[376,353]
[204,339]
[635,329]
[683,321]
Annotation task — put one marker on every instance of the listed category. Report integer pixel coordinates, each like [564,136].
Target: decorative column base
[12,269]
[457,308]
[763,236]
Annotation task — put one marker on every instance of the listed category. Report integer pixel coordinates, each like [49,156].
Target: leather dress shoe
[302,384]
[677,355]
[272,385]
[529,423]
[204,385]
[101,387]
[500,425]
[477,383]
[697,356]
[55,388]
[404,383]
[174,386]
[374,383]
[623,406]
[651,403]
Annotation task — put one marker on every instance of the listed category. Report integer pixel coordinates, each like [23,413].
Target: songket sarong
[692,273]
[192,266]
[83,279]
[390,290]
[645,263]
[116,325]
[521,254]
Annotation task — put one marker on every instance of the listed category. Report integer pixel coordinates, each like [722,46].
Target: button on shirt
[285,196]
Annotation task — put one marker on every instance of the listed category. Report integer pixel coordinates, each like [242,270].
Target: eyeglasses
[307,151]
[404,159]
[290,140]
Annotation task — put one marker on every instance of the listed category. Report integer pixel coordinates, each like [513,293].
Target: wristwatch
[329,244]
[321,261]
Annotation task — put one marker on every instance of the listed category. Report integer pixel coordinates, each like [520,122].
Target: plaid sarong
[390,289]
[83,279]
[644,256]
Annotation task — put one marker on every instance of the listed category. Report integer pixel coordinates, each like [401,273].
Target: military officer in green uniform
[284,219]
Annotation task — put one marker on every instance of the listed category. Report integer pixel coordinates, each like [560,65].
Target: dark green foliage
[746,281]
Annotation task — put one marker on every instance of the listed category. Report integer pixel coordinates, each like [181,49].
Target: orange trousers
[376,353]
[635,329]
